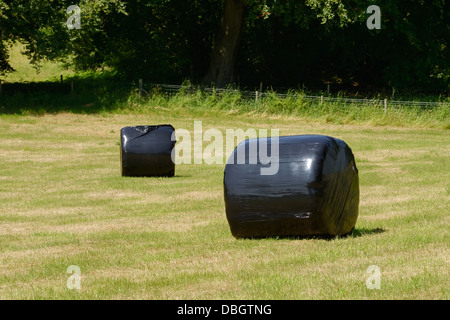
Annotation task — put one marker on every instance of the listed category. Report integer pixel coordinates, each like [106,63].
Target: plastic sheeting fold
[315,191]
[146,151]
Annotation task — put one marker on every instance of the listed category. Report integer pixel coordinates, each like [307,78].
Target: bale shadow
[355,233]
[365,231]
[163,177]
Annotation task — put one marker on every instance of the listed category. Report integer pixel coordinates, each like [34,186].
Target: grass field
[64,202]
[26,72]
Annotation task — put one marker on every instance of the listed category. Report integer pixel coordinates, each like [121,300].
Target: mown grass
[63,202]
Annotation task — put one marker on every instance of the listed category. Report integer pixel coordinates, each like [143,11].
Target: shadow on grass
[176,176]
[355,233]
[365,232]
[83,94]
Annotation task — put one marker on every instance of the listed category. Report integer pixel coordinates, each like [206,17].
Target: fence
[143,89]
[258,95]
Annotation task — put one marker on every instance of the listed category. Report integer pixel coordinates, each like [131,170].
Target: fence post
[321,99]
[256,95]
[328,89]
[385,106]
[141,86]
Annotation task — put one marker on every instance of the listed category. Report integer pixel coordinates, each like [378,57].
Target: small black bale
[146,151]
[314,192]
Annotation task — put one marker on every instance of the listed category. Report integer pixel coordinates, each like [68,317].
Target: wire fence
[144,89]
[258,95]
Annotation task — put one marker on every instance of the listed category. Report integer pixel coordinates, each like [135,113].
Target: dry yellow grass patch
[22,155]
[385,215]
[43,253]
[146,198]
[380,155]
[181,223]
[380,200]
[47,212]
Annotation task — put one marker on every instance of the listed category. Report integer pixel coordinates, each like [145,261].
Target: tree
[283,43]
[326,41]
[223,57]
[4,65]
[157,40]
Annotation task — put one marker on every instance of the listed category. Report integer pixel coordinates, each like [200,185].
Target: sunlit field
[65,205]
[63,202]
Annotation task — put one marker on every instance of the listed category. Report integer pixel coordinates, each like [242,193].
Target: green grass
[103,92]
[26,72]
[63,202]
[95,94]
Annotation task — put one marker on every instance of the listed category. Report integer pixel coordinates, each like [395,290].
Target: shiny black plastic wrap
[315,191]
[146,151]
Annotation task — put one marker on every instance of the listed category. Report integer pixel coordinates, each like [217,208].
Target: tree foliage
[282,43]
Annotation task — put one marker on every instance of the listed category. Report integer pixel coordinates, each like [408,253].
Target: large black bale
[314,192]
[146,151]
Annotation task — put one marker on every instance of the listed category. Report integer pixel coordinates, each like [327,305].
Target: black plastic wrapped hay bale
[146,151]
[315,191]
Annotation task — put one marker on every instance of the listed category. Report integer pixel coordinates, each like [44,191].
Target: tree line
[221,42]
